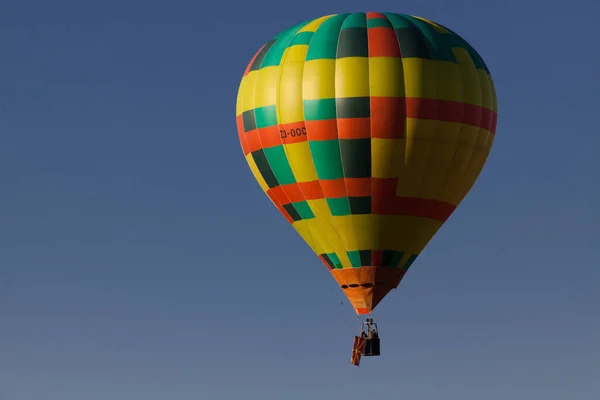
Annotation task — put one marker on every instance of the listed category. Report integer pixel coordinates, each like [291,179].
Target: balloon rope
[345,317]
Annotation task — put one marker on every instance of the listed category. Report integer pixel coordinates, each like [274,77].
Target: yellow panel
[390,232]
[345,229]
[417,147]
[419,133]
[366,231]
[296,53]
[486,90]
[468,135]
[471,87]
[387,156]
[453,183]
[318,81]
[485,139]
[289,100]
[424,128]
[247,91]
[436,165]
[300,160]
[321,208]
[256,173]
[446,131]
[438,27]
[238,101]
[352,77]
[303,230]
[322,233]
[469,77]
[449,188]
[314,25]
[266,85]
[449,81]
[321,243]
[327,226]
[494,98]
[440,158]
[410,179]
[406,233]
[462,56]
[386,77]
[480,153]
[419,78]
[343,256]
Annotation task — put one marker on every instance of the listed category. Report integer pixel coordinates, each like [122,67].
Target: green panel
[412,43]
[356,157]
[327,259]
[292,29]
[353,107]
[265,116]
[454,40]
[398,22]
[303,210]
[289,208]
[279,164]
[411,259]
[302,38]
[261,55]
[273,57]
[395,263]
[355,20]
[440,48]
[477,60]
[326,157]
[265,169]
[353,42]
[324,42]
[335,260]
[339,207]
[354,257]
[320,109]
[360,205]
[440,44]
[378,23]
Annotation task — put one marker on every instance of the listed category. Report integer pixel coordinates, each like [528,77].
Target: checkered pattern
[366,130]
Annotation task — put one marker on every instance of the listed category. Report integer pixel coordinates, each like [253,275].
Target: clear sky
[139,259]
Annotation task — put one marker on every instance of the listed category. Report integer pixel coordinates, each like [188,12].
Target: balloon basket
[367,344]
[370,333]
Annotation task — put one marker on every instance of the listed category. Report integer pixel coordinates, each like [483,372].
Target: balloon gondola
[366,131]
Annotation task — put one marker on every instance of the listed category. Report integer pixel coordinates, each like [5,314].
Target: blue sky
[140,260]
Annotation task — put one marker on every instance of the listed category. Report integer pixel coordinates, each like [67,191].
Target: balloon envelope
[366,131]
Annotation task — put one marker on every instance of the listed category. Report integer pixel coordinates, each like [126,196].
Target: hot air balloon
[366,131]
